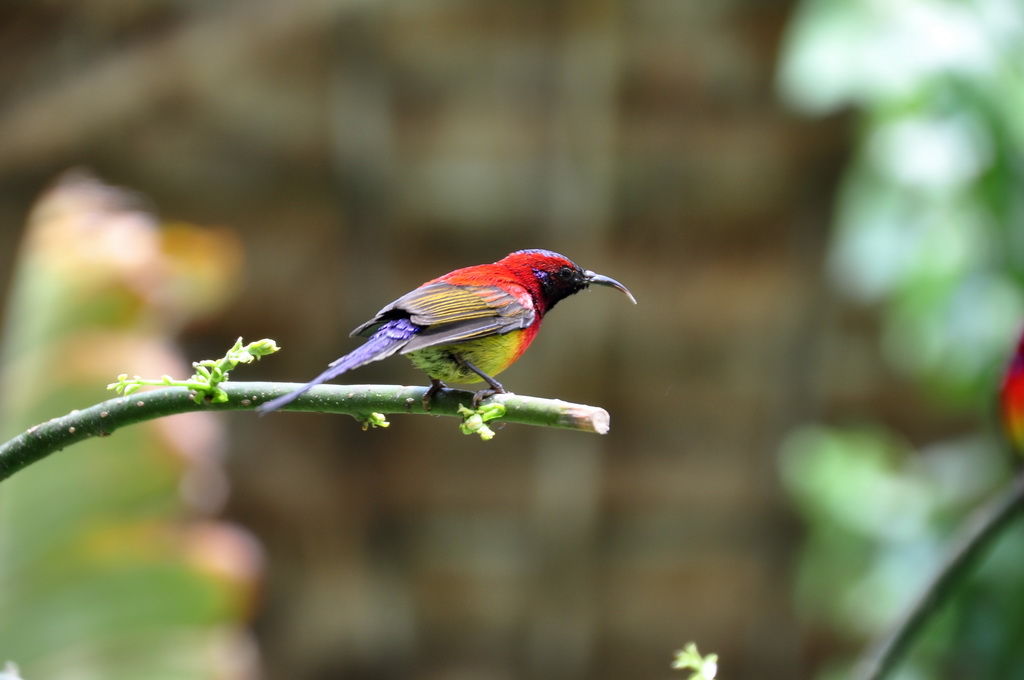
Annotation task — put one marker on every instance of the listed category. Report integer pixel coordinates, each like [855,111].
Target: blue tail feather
[387,340]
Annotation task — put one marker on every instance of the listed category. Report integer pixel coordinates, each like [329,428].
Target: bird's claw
[435,387]
[484,394]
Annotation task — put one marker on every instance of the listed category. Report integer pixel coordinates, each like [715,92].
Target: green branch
[208,390]
[974,539]
[364,402]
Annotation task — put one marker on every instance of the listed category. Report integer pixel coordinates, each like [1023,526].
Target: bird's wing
[450,313]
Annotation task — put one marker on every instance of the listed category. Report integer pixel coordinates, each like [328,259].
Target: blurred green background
[817,205]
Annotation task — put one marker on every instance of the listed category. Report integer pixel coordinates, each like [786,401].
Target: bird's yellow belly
[491,354]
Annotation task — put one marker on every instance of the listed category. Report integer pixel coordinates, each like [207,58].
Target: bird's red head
[553,277]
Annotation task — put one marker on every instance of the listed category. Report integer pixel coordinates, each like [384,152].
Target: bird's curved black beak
[601,280]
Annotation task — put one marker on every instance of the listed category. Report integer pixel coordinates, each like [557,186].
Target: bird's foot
[435,387]
[489,392]
[495,386]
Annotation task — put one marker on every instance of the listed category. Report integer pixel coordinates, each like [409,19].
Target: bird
[468,325]
[1011,399]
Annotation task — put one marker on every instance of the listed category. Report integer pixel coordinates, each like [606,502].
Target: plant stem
[977,534]
[357,400]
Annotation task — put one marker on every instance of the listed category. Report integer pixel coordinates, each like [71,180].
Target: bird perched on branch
[468,325]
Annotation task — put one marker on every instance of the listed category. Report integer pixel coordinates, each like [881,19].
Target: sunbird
[468,325]
[1011,399]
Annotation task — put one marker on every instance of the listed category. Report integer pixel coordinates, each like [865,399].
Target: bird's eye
[565,273]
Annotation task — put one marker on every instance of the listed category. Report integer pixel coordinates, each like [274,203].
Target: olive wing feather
[450,313]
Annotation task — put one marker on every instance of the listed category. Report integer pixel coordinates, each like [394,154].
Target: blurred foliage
[931,213]
[879,517]
[929,227]
[109,567]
